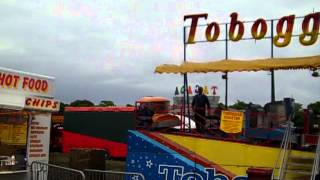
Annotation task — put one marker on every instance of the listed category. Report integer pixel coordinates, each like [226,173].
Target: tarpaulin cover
[232,65]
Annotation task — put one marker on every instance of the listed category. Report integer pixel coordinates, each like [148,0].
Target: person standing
[199,103]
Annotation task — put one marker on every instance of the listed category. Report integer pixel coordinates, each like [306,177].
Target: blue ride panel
[157,162]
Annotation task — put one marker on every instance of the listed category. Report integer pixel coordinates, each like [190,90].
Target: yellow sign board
[231,121]
[13,134]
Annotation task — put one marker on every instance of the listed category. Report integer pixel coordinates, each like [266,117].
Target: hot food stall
[26,104]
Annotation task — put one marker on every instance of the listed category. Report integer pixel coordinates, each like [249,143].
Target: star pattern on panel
[135,177]
[149,163]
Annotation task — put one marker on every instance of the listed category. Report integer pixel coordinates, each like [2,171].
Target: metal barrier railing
[43,171]
[111,175]
[285,149]
[315,168]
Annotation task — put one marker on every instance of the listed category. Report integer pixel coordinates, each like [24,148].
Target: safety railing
[111,175]
[315,168]
[279,170]
[43,171]
[280,165]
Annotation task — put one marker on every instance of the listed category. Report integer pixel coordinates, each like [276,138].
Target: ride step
[303,172]
[295,165]
[301,160]
[299,178]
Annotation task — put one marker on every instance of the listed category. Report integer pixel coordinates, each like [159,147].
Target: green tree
[62,106]
[106,103]
[129,105]
[315,107]
[239,105]
[82,103]
[298,115]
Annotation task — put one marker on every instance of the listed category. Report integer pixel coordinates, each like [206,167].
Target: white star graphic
[149,164]
[135,177]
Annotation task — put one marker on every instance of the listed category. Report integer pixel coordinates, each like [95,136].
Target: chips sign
[42,104]
[231,121]
[284,29]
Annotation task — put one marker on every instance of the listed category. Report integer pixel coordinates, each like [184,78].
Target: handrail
[283,155]
[315,167]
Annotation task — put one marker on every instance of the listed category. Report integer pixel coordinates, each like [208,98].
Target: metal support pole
[226,73]
[185,81]
[272,71]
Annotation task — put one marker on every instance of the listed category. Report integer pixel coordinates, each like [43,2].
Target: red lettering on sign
[36,102]
[35,84]
[48,103]
[2,78]
[33,136]
[284,29]
[37,132]
[31,84]
[35,123]
[25,82]
[42,103]
[215,34]
[55,104]
[194,23]
[38,85]
[28,101]
[16,80]
[263,30]
[44,86]
[313,34]
[35,141]
[8,80]
[36,145]
[233,24]
[286,36]
[34,155]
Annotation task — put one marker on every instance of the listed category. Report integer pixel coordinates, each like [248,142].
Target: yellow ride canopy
[231,65]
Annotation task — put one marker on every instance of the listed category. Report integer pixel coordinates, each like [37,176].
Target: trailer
[107,127]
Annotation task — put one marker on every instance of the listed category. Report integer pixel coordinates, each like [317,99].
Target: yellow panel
[13,134]
[233,156]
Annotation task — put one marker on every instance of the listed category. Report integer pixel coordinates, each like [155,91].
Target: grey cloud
[112,54]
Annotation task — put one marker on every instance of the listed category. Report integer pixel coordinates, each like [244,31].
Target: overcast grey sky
[108,50]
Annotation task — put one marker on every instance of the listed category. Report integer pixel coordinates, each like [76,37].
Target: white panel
[39,138]
[11,101]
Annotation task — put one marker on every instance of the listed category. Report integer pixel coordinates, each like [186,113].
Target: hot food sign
[25,83]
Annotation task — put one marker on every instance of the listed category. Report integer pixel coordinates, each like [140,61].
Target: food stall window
[13,140]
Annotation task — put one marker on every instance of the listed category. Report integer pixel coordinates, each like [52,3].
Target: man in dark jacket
[199,103]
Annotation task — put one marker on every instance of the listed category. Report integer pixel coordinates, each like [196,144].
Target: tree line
[87,103]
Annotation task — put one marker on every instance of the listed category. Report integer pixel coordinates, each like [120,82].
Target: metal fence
[43,171]
[111,175]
